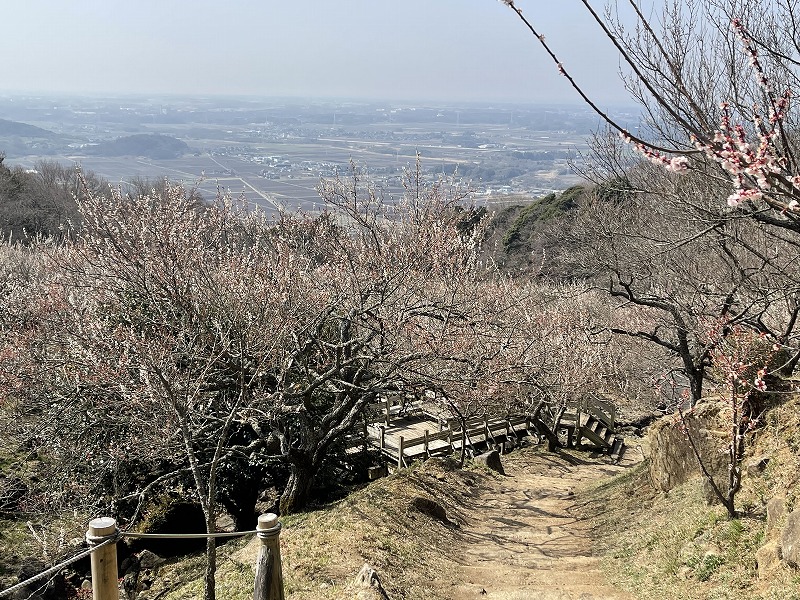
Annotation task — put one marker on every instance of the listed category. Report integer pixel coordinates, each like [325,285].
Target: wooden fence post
[105,584]
[269,576]
[400,453]
[427,449]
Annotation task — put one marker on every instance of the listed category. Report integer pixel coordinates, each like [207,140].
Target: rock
[86,584]
[150,560]
[130,584]
[130,565]
[225,521]
[430,508]
[768,558]
[367,585]
[708,491]
[755,466]
[776,510]
[790,539]
[672,461]
[492,461]
[377,472]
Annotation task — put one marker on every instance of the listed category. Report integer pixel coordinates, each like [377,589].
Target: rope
[55,569]
[222,534]
[101,541]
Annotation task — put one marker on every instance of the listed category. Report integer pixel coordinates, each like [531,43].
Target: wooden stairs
[591,423]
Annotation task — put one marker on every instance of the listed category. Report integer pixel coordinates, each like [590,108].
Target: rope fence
[103,536]
[55,569]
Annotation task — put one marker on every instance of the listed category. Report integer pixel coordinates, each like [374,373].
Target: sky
[445,50]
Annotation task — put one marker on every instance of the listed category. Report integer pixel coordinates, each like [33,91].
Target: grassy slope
[676,546]
[323,550]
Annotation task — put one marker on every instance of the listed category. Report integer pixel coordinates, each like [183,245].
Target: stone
[225,521]
[768,558]
[790,539]
[672,460]
[376,472]
[755,466]
[368,585]
[130,583]
[150,560]
[492,461]
[130,565]
[776,511]
[430,508]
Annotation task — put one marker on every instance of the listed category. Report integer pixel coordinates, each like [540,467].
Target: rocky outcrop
[492,461]
[790,539]
[367,585]
[768,558]
[672,461]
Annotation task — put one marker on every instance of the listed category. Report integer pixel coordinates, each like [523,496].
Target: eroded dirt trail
[522,542]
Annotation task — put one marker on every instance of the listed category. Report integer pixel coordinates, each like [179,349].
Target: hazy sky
[390,49]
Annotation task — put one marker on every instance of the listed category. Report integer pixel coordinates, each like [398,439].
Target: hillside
[558,525]
[520,232]
[23,130]
[500,537]
[153,146]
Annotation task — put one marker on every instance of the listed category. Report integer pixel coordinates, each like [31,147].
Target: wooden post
[383,436]
[400,453]
[427,451]
[388,408]
[269,576]
[450,437]
[104,561]
[489,434]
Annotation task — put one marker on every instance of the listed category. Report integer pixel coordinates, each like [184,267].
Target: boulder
[367,585]
[768,558]
[150,560]
[790,539]
[430,508]
[672,460]
[492,461]
[776,510]
[755,466]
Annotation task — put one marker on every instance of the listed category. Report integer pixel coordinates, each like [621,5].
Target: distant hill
[23,130]
[519,234]
[154,146]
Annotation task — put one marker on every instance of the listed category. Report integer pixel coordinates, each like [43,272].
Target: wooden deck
[404,430]
[419,437]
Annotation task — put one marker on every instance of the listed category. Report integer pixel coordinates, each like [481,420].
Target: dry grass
[323,550]
[677,546]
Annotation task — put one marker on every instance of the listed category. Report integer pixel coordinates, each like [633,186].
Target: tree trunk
[295,496]
[210,591]
[696,377]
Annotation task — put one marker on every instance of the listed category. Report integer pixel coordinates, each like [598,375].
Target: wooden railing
[451,435]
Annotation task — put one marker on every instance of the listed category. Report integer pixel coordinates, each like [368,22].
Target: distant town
[274,152]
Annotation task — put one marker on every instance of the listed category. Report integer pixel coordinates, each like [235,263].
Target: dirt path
[522,543]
